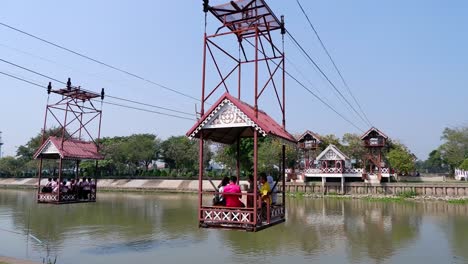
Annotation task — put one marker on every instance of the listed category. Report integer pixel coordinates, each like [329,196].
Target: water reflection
[129,225]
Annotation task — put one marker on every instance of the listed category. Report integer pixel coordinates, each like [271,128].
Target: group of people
[230,194]
[83,188]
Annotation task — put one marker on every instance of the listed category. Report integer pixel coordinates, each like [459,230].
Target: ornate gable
[50,148]
[332,153]
[226,115]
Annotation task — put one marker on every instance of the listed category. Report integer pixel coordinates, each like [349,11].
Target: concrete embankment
[8,260]
[173,185]
[443,189]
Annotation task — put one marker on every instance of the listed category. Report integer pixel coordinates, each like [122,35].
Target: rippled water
[162,228]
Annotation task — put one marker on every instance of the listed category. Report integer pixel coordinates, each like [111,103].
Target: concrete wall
[127,184]
[358,188]
[424,178]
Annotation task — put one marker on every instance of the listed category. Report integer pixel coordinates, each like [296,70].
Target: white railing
[354,171]
[339,170]
[461,175]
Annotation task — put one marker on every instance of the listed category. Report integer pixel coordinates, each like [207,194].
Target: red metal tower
[308,143]
[249,25]
[76,122]
[375,141]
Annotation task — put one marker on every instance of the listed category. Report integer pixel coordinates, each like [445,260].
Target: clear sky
[405,61]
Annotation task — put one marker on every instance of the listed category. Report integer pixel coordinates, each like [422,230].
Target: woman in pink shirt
[232,193]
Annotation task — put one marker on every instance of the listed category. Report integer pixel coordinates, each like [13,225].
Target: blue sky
[405,61]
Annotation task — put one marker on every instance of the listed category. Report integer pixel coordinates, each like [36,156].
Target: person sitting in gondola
[273,192]
[219,198]
[250,190]
[86,189]
[265,189]
[265,195]
[54,183]
[48,187]
[63,187]
[79,188]
[232,193]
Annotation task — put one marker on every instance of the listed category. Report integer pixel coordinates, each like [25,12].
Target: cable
[98,61]
[333,62]
[324,75]
[307,89]
[110,96]
[150,105]
[149,111]
[125,106]
[320,99]
[24,80]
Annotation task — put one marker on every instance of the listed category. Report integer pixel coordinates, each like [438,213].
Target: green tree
[181,154]
[270,156]
[353,147]
[227,154]
[434,162]
[455,148]
[142,149]
[330,139]
[464,165]
[10,166]
[401,159]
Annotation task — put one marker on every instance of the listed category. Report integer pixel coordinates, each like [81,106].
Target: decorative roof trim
[334,149]
[376,130]
[214,113]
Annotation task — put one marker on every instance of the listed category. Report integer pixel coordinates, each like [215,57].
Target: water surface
[162,228]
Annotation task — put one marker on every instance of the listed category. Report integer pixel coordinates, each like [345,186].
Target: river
[162,228]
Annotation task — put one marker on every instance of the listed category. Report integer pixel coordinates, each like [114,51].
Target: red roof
[308,132]
[376,130]
[72,149]
[229,134]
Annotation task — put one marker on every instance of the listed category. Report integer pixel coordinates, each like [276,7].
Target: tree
[270,156]
[180,153]
[455,149]
[329,139]
[353,147]
[401,159]
[434,162]
[9,166]
[464,165]
[227,154]
[142,149]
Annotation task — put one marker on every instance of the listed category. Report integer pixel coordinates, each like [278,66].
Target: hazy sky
[405,61]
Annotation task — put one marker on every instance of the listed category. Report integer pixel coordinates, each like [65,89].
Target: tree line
[136,156]
[450,155]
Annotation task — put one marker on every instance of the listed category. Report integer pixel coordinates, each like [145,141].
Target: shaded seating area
[228,121]
[60,189]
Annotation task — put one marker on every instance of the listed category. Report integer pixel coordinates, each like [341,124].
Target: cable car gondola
[76,122]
